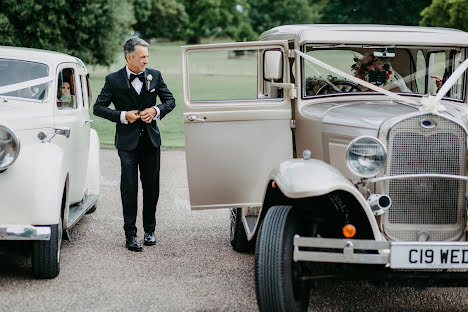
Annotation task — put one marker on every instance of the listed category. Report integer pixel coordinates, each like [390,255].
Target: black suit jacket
[117,90]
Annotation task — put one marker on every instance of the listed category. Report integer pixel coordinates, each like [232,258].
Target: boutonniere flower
[148,81]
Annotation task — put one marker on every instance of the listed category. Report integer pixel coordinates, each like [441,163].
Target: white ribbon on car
[24,84]
[355,79]
[429,103]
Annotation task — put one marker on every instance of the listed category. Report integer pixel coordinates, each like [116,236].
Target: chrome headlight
[9,147]
[365,156]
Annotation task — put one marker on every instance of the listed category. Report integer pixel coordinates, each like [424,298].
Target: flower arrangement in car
[372,69]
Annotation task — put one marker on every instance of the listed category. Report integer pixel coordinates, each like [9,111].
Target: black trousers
[145,159]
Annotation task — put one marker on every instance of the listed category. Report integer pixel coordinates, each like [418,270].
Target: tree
[442,13]
[265,14]
[92,30]
[398,12]
[240,28]
[7,31]
[208,18]
[160,18]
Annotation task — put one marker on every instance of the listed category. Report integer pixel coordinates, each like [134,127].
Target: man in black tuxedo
[133,91]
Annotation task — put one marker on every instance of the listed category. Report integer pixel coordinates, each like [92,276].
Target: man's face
[65,88]
[138,60]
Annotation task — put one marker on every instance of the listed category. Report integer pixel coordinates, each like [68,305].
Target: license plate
[429,255]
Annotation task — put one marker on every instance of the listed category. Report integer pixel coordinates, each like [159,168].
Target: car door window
[222,75]
[66,89]
[84,91]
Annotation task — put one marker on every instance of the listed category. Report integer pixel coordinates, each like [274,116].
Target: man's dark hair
[131,43]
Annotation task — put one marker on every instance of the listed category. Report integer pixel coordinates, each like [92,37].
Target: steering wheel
[342,85]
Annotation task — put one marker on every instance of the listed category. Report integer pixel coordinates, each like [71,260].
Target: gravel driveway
[191,268]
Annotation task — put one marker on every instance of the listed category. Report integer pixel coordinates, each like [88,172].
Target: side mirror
[273,65]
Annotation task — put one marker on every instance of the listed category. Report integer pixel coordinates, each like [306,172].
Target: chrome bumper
[24,232]
[394,254]
[326,250]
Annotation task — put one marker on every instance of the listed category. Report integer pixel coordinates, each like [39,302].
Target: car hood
[369,114]
[22,115]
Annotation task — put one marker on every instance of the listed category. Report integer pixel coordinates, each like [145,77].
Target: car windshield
[23,79]
[415,70]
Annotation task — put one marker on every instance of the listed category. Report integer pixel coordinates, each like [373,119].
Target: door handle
[87,122]
[195,118]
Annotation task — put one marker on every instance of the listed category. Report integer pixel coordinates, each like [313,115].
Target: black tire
[93,209]
[276,286]
[238,237]
[46,254]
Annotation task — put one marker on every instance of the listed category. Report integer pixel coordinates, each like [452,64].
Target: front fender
[299,178]
[31,189]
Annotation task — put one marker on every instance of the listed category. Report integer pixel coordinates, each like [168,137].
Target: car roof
[368,34]
[51,58]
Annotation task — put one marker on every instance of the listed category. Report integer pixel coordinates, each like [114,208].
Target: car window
[90,94]
[228,75]
[66,89]
[399,69]
[84,91]
[23,79]
[421,69]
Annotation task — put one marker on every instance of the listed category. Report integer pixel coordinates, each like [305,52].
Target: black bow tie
[140,76]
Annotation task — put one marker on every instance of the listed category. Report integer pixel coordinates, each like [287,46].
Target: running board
[78,210]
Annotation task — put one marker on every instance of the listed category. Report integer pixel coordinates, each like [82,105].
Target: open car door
[237,124]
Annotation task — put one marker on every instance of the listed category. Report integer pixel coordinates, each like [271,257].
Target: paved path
[192,267]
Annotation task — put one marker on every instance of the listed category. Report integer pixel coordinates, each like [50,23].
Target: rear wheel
[238,237]
[92,209]
[277,276]
[46,254]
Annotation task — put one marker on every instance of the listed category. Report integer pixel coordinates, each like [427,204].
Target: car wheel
[46,254]
[92,209]
[238,236]
[277,281]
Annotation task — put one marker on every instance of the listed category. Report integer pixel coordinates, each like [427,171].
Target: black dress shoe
[133,244]
[149,239]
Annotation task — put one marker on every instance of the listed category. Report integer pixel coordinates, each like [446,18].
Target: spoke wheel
[238,237]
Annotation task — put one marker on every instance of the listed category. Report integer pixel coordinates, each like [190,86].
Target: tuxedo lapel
[124,77]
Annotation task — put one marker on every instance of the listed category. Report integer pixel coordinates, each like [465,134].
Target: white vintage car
[341,151]
[49,156]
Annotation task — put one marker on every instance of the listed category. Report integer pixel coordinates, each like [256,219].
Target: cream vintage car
[337,150]
[49,156]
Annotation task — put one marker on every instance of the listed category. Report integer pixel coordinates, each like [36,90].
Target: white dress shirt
[137,84]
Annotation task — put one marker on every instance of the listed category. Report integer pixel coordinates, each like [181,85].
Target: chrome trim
[432,124]
[24,232]
[348,246]
[15,137]
[412,176]
[366,137]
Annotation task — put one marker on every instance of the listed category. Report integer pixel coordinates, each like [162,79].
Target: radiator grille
[426,204]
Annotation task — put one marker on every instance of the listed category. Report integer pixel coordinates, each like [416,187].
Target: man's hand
[148,114]
[132,116]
